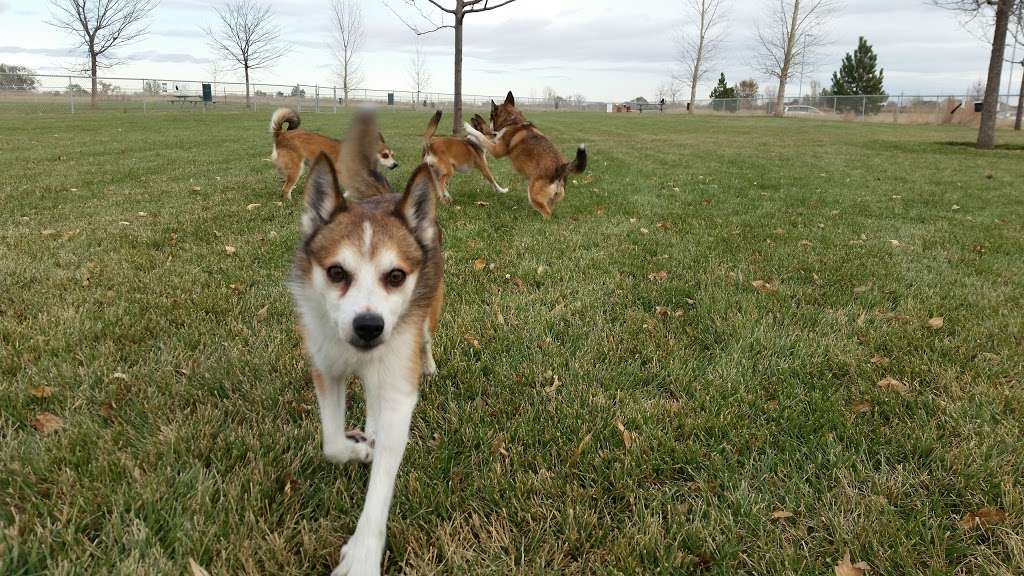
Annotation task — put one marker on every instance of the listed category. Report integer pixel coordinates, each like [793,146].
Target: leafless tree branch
[247,36]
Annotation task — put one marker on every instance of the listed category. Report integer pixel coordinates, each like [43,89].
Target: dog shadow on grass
[1012,147]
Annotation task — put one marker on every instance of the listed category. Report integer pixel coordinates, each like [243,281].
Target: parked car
[801,109]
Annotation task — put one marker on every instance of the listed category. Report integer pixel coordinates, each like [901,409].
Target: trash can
[391,98]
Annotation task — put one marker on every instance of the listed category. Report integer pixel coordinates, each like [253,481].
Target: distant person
[661,105]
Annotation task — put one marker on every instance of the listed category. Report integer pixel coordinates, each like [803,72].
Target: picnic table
[190,98]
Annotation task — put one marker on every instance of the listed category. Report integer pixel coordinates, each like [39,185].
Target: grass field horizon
[741,345]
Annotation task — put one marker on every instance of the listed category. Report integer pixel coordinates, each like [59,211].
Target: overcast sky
[602,49]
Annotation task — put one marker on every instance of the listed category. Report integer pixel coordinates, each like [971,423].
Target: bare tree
[1004,10]
[458,13]
[787,42]
[348,29]
[419,73]
[247,37]
[669,90]
[1017,32]
[697,49]
[101,26]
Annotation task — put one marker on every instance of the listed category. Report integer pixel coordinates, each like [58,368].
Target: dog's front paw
[359,450]
[359,558]
[500,190]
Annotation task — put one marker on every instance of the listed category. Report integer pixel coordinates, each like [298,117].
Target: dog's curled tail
[578,164]
[281,117]
[431,128]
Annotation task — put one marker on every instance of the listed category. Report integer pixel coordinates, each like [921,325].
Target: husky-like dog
[450,155]
[295,150]
[367,284]
[533,155]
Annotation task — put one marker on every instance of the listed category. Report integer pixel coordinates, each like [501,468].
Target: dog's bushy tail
[578,164]
[431,128]
[281,117]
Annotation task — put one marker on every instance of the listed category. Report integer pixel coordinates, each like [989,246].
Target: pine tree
[724,96]
[859,76]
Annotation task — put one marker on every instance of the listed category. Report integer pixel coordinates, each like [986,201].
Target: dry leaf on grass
[261,315]
[663,226]
[877,360]
[862,407]
[195,569]
[862,317]
[583,445]
[119,376]
[498,447]
[936,323]
[627,436]
[479,264]
[481,204]
[781,515]
[862,289]
[107,411]
[252,206]
[230,249]
[847,568]
[659,276]
[555,383]
[986,516]
[987,357]
[806,244]
[40,391]
[890,383]
[764,287]
[472,341]
[196,189]
[662,311]
[46,423]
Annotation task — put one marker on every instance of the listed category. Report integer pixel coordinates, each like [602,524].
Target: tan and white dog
[533,155]
[367,284]
[295,150]
[450,155]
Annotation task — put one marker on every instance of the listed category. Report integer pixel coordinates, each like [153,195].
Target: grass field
[615,396]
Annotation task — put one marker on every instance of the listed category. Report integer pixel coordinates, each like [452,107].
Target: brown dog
[449,155]
[533,155]
[295,150]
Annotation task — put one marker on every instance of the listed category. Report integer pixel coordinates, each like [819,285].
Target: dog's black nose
[368,326]
[395,165]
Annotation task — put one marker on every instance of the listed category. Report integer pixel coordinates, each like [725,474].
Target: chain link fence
[40,93]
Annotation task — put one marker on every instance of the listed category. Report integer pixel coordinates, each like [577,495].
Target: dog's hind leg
[481,164]
[338,446]
[397,386]
[540,197]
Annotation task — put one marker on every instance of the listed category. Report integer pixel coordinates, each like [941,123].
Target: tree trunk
[1020,104]
[698,61]
[787,60]
[248,97]
[344,79]
[92,69]
[457,112]
[990,109]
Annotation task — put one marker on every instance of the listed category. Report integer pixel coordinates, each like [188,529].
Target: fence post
[316,96]
[143,96]
[71,95]
[863,107]
[834,105]
[335,99]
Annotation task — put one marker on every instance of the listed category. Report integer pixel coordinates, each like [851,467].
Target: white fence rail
[38,93]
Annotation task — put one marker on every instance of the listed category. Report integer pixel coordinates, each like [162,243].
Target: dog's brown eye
[337,274]
[385,155]
[395,278]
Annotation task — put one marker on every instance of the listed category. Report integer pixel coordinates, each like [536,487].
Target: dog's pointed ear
[493,106]
[510,99]
[418,206]
[323,195]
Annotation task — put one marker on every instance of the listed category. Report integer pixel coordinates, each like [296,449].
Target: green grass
[190,425]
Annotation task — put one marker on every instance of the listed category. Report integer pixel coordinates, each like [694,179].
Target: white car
[801,109]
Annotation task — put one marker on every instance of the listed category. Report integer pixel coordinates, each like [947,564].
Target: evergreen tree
[724,96]
[859,76]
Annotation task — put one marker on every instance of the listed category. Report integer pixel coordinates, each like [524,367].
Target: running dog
[295,150]
[533,155]
[452,155]
[368,288]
